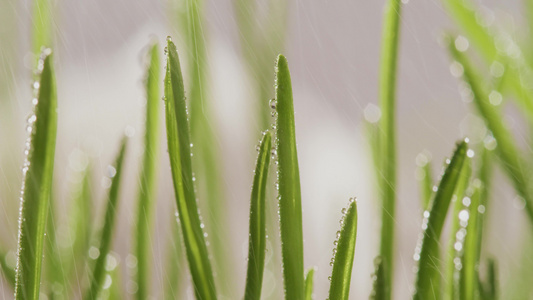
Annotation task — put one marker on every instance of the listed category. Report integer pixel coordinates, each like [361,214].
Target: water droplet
[273,103]
[461,43]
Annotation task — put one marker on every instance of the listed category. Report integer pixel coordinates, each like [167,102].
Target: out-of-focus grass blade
[428,277]
[290,202]
[7,271]
[513,162]
[489,290]
[516,70]
[468,285]
[147,188]
[36,189]
[451,291]
[81,213]
[309,284]
[257,237]
[378,286]
[387,100]
[180,162]
[175,263]
[97,276]
[207,161]
[426,179]
[343,263]
[42,25]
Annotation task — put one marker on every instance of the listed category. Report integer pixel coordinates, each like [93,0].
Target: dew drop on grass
[461,43]
[272,103]
[107,282]
[94,252]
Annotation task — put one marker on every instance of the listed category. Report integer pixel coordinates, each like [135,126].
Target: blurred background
[333,52]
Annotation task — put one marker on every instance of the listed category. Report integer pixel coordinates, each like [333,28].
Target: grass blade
[174,269]
[513,162]
[7,271]
[98,273]
[468,285]
[309,284]
[290,202]
[36,189]
[180,163]
[147,190]
[378,288]
[208,163]
[425,178]
[42,25]
[257,242]
[516,71]
[387,99]
[343,261]
[489,290]
[452,290]
[428,276]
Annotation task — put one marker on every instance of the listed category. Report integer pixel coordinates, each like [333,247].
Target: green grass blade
[428,277]
[42,25]
[468,285]
[175,262]
[207,161]
[512,160]
[7,271]
[180,163]
[290,202]
[489,290]
[81,213]
[54,265]
[452,291]
[378,286]
[36,190]
[309,284]
[99,272]
[485,41]
[387,99]
[343,263]
[257,242]
[147,190]
[425,179]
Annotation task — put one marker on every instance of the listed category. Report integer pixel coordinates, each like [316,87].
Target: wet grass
[462,272]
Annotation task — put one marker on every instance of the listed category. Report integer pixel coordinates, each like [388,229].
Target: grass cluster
[464,185]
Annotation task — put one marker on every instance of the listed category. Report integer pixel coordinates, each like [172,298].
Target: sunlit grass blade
[309,278]
[387,125]
[425,178]
[516,72]
[428,277]
[97,275]
[37,186]
[511,158]
[257,237]
[146,197]
[343,260]
[290,202]
[468,284]
[378,286]
[180,162]
[7,271]
[452,290]
[174,271]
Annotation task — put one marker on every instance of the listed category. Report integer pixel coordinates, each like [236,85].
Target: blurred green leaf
[146,197]
[99,269]
[309,284]
[387,141]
